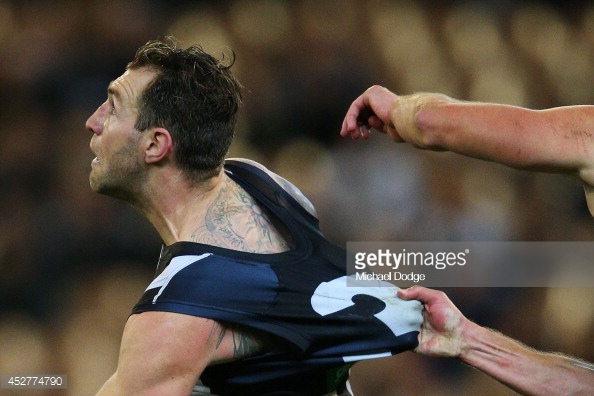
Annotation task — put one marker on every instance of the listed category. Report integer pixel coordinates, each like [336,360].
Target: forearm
[513,136]
[523,369]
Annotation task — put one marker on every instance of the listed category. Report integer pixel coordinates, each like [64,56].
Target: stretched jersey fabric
[300,297]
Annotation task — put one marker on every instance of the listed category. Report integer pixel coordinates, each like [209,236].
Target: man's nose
[95,122]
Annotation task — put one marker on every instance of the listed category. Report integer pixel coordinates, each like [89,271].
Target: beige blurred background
[72,263]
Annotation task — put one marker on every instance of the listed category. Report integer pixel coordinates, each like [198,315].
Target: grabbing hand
[441,332]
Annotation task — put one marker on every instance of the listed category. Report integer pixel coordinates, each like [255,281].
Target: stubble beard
[121,177]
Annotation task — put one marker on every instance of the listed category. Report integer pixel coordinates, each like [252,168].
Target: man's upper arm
[164,353]
[285,184]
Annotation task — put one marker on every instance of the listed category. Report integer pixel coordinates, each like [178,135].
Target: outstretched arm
[554,140]
[164,353]
[446,332]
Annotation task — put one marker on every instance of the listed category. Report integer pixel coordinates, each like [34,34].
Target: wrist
[471,338]
[403,117]
[414,119]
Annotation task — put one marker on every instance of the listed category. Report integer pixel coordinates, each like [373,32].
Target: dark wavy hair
[195,97]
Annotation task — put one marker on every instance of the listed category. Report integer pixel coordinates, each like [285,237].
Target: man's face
[119,165]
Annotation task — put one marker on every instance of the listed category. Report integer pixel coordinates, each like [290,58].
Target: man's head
[195,97]
[183,95]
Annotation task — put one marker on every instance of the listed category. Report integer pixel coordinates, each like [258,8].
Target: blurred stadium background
[73,263]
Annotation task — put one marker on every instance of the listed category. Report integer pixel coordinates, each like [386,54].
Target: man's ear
[158,145]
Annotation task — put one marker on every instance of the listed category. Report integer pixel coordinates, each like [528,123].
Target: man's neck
[217,212]
[176,209]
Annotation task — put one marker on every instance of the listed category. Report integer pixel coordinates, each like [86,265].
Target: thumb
[406,294]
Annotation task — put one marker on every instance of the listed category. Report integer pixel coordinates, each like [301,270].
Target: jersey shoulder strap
[264,188]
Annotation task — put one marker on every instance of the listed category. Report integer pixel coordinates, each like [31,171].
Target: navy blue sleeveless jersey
[299,296]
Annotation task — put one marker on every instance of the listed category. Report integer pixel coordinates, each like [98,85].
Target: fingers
[356,123]
[350,127]
[423,294]
[361,117]
[359,130]
[369,111]
[410,293]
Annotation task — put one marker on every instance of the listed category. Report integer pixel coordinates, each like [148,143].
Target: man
[554,140]
[249,297]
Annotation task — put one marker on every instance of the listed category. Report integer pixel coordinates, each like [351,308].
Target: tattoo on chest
[235,221]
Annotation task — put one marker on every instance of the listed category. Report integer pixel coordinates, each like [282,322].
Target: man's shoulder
[283,183]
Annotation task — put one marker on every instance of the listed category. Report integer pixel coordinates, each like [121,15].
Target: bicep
[164,353]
